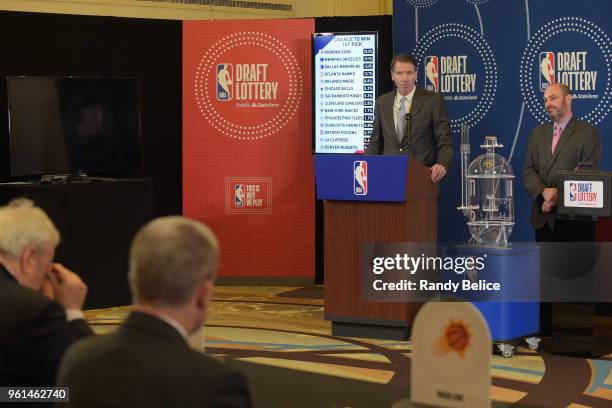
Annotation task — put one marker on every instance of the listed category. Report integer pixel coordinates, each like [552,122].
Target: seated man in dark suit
[148,362]
[40,302]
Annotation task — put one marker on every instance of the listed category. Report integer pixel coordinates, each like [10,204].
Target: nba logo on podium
[225,75]
[547,69]
[238,195]
[360,177]
[431,74]
[572,192]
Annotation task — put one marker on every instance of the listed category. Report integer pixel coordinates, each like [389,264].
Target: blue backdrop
[494,59]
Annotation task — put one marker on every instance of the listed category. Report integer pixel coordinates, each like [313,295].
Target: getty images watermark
[520,272]
[411,265]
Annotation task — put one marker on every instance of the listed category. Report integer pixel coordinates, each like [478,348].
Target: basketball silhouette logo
[456,338]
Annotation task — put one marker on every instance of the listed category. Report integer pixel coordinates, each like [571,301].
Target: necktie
[556,138]
[401,119]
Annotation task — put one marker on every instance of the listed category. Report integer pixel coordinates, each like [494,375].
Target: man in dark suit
[40,302]
[566,144]
[148,361]
[412,121]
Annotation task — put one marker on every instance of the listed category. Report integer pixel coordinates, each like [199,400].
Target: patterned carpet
[284,327]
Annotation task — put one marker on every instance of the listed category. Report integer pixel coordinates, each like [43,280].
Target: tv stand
[71,178]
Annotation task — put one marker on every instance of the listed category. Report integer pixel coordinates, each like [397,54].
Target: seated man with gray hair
[40,301]
[148,361]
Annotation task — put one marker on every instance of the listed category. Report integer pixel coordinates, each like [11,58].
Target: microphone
[408,132]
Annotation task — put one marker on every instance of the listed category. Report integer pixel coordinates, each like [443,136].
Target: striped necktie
[556,138]
[401,119]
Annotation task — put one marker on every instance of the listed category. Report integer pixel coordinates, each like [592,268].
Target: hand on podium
[438,172]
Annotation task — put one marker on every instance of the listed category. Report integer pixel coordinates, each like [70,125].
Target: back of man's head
[23,224]
[169,258]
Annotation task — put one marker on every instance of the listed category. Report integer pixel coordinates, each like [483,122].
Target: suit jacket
[147,363]
[579,143]
[429,138]
[34,335]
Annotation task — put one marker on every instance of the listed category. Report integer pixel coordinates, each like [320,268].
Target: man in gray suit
[566,144]
[412,121]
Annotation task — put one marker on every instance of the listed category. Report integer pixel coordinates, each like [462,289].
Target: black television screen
[60,125]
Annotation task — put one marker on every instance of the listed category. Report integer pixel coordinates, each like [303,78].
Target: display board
[344,90]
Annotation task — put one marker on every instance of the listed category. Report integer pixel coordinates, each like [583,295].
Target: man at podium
[412,121]
[565,144]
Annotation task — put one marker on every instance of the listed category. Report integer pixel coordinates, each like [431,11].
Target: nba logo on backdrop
[248,85]
[360,179]
[449,74]
[248,195]
[431,74]
[572,51]
[570,68]
[457,62]
[225,75]
[547,69]
[239,195]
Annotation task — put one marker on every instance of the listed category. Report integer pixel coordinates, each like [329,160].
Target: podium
[583,328]
[396,203]
[585,193]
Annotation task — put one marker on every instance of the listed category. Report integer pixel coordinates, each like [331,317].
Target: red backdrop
[247,168]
